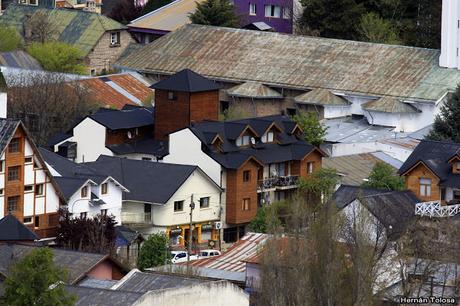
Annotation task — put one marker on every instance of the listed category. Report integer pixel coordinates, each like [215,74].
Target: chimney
[3,96]
[450,31]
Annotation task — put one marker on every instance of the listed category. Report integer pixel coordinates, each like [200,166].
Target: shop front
[202,233]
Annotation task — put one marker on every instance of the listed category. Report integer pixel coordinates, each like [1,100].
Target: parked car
[209,253]
[181,256]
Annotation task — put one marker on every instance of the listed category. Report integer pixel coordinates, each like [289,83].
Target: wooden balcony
[435,209]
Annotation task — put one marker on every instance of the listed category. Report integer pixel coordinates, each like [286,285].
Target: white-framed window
[425,187]
[204,202]
[114,38]
[252,9]
[84,192]
[104,188]
[286,13]
[310,167]
[273,11]
[28,160]
[268,137]
[28,188]
[33,2]
[39,189]
[243,140]
[27,220]
[178,205]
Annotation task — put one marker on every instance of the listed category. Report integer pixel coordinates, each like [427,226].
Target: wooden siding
[413,182]
[121,136]
[170,115]
[237,191]
[314,157]
[204,106]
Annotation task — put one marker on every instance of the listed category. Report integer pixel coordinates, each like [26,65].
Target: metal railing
[279,182]
[435,209]
[136,218]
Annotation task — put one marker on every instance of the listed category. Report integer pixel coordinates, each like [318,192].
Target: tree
[374,28]
[446,125]
[96,235]
[383,176]
[216,13]
[35,280]
[9,39]
[154,252]
[153,5]
[47,103]
[314,132]
[125,11]
[39,27]
[58,57]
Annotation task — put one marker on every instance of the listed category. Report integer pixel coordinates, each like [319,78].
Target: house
[126,133]
[14,231]
[160,195]
[128,244]
[87,192]
[334,78]
[27,189]
[101,39]
[432,173]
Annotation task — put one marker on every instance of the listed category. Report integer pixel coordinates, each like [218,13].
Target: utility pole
[189,249]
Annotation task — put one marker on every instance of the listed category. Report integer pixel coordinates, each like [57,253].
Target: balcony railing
[434,209]
[279,182]
[136,218]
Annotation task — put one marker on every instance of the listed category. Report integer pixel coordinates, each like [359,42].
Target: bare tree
[39,27]
[47,103]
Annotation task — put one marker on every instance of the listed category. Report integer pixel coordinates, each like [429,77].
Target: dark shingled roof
[142,282]
[147,181]
[143,146]
[186,81]
[13,230]
[19,59]
[102,297]
[288,146]
[7,129]
[126,118]
[126,235]
[435,155]
[76,263]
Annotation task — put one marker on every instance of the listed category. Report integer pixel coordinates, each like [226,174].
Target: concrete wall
[90,138]
[219,293]
[337,111]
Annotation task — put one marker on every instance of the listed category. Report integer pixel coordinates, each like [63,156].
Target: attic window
[114,39]
[243,140]
[457,166]
[268,137]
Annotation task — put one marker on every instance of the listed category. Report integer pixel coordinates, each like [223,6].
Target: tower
[450,31]
[182,99]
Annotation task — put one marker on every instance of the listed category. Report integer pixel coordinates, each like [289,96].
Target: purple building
[275,13]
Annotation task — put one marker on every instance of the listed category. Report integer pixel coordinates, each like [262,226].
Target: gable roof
[75,27]
[19,59]
[13,230]
[103,297]
[435,155]
[126,118]
[389,105]
[253,90]
[301,62]
[186,81]
[147,181]
[320,96]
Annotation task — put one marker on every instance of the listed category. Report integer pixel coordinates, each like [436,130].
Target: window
[36,165]
[13,203]
[172,95]
[425,187]
[310,167]
[178,205]
[272,11]
[1,191]
[2,166]
[252,9]
[204,202]
[28,160]
[286,13]
[84,192]
[28,188]
[104,212]
[39,189]
[37,221]
[83,215]
[13,173]
[457,166]
[243,140]
[27,220]
[147,158]
[246,176]
[104,188]
[246,204]
[115,38]
[93,72]
[13,147]
[268,137]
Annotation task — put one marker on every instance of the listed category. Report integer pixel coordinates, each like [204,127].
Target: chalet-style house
[395,86]
[14,231]
[126,133]
[101,39]
[254,160]
[27,189]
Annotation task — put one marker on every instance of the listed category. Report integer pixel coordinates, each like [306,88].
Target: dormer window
[243,140]
[457,166]
[114,39]
[268,137]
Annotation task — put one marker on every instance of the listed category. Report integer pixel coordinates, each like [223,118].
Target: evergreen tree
[383,176]
[154,252]
[446,125]
[313,130]
[35,280]
[374,28]
[216,13]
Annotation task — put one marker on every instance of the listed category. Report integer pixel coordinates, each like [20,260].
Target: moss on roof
[320,96]
[389,105]
[76,27]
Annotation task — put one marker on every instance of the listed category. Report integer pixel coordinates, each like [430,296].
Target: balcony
[136,218]
[434,209]
[278,183]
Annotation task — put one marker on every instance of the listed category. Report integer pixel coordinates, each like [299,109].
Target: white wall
[449,34]
[3,104]
[343,149]
[138,156]
[336,111]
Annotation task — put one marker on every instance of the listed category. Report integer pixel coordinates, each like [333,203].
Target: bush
[9,39]
[58,57]
[154,252]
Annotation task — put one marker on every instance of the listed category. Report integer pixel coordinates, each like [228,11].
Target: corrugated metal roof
[299,62]
[389,105]
[254,90]
[76,27]
[19,59]
[235,258]
[320,96]
[167,18]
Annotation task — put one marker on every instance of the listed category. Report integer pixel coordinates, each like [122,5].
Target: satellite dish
[130,135]
[253,141]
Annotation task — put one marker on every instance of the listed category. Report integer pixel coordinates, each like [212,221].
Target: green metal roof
[389,105]
[300,62]
[320,96]
[76,27]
